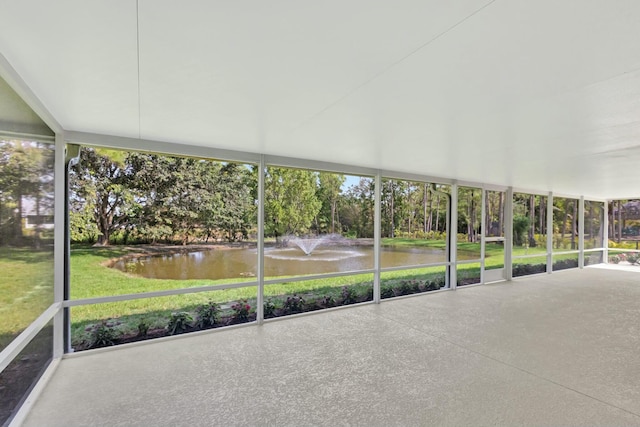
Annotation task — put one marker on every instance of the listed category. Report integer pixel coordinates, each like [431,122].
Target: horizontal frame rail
[413,267]
[273,281]
[21,341]
[142,295]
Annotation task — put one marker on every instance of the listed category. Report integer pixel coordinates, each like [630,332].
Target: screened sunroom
[272,213]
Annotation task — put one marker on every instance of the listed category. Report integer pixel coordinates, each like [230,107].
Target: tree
[26,172]
[232,206]
[357,209]
[100,181]
[520,226]
[174,193]
[329,190]
[469,200]
[291,203]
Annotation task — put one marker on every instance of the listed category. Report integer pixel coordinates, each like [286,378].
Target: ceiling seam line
[393,65]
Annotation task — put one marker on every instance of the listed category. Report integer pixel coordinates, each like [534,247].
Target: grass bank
[90,277]
[26,289]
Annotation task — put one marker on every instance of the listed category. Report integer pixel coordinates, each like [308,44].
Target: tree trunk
[391,225]
[487,217]
[500,213]
[591,230]
[563,229]
[17,223]
[410,211]
[333,216]
[472,216]
[532,218]
[619,221]
[425,197]
[610,218]
[574,224]
[36,234]
[437,213]
[542,216]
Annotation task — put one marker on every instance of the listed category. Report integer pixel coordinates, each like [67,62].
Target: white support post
[59,256]
[581,232]
[483,232]
[453,238]
[550,233]
[508,234]
[260,219]
[377,238]
[605,232]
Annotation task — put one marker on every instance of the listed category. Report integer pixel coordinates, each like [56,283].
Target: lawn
[90,277]
[26,289]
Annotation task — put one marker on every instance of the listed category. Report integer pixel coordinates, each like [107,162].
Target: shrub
[386,291]
[103,335]
[179,322]
[207,315]
[269,308]
[328,301]
[293,304]
[404,288]
[564,264]
[370,293]
[143,328]
[632,258]
[349,296]
[241,311]
[436,284]
[520,226]
[415,285]
[614,259]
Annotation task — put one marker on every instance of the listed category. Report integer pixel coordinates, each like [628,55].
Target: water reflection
[220,263]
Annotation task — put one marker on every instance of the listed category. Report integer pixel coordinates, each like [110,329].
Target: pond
[226,263]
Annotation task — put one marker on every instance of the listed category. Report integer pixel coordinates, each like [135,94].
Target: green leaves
[291,203]
[148,197]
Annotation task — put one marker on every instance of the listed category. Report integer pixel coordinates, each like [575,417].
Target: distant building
[34,214]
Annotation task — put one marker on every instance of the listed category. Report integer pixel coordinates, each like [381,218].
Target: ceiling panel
[246,73]
[79,58]
[542,95]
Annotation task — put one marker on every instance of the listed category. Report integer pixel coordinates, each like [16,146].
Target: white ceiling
[541,95]
[16,117]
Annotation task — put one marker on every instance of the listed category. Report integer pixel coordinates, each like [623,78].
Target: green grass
[26,289]
[90,277]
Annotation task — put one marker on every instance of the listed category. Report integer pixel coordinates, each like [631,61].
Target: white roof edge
[13,79]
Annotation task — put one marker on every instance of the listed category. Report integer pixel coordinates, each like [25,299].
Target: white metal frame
[608,249]
[483,234]
[550,233]
[260,296]
[377,238]
[263,161]
[534,255]
[508,235]
[54,312]
[605,232]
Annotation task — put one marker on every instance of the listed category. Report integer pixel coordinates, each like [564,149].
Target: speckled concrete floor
[561,349]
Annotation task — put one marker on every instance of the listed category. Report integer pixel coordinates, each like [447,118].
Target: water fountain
[307,245]
[325,248]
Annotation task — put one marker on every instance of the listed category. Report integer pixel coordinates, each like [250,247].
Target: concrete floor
[561,349]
